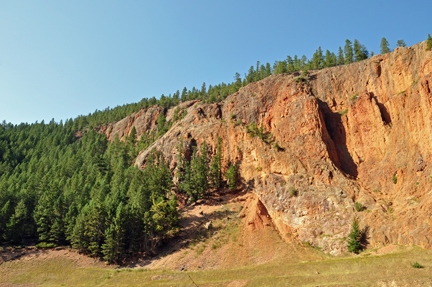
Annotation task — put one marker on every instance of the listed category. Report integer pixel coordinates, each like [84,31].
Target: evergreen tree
[354,244]
[317,59]
[250,77]
[429,43]
[162,124]
[231,176]
[401,43]
[183,96]
[203,88]
[199,177]
[333,59]
[215,173]
[113,248]
[262,73]
[340,59]
[237,80]
[268,69]
[290,64]
[385,46]
[328,59]
[348,52]
[360,51]
[257,74]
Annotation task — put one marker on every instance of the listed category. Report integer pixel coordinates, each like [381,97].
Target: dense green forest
[85,192]
[59,189]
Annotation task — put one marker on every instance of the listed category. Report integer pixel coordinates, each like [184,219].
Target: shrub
[344,112]
[394,178]
[355,97]
[277,146]
[354,244]
[359,207]
[46,245]
[417,265]
[293,191]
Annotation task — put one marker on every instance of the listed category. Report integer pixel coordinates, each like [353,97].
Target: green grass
[361,270]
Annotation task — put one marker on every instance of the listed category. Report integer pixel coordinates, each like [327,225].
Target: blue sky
[61,59]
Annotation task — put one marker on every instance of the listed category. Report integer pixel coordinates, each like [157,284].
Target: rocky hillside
[359,133]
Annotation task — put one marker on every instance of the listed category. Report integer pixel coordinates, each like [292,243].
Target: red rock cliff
[346,135]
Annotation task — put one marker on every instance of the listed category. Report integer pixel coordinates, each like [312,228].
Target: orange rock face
[354,133]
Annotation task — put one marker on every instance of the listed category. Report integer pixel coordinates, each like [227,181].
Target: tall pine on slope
[354,244]
[215,173]
[385,46]
[348,52]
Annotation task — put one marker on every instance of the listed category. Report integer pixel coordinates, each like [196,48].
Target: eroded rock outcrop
[344,136]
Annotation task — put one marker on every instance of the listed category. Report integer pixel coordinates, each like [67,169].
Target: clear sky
[61,59]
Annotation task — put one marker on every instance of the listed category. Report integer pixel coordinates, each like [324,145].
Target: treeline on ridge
[351,52]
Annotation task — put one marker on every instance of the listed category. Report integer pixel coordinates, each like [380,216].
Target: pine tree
[340,59]
[268,69]
[262,73]
[215,173]
[401,43]
[328,59]
[199,176]
[385,46]
[113,248]
[333,59]
[250,77]
[429,43]
[161,124]
[183,96]
[360,51]
[348,52]
[317,59]
[290,66]
[354,244]
[231,176]
[203,88]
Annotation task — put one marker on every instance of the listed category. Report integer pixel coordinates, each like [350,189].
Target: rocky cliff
[354,133]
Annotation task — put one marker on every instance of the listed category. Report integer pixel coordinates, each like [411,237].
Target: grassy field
[392,269]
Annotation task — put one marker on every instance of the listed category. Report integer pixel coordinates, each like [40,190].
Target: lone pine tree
[354,244]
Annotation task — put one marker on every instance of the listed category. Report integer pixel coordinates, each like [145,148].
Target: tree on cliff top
[385,46]
[348,51]
[360,51]
[401,43]
[429,43]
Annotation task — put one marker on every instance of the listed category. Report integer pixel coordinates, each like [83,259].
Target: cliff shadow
[337,132]
[364,239]
[385,115]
